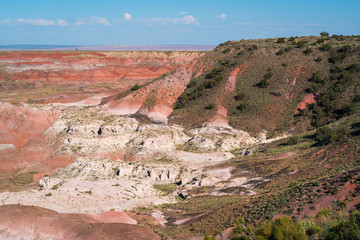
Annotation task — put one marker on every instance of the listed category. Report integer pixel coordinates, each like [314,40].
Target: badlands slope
[69,144]
[186,148]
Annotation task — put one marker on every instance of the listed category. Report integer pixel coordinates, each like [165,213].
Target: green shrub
[281,40]
[324,34]
[284,64]
[263,83]
[291,39]
[344,229]
[288,49]
[293,140]
[326,47]
[353,68]
[135,87]
[165,188]
[269,74]
[301,43]
[192,83]
[345,49]
[239,96]
[242,106]
[318,59]
[316,78]
[214,72]
[280,52]
[210,106]
[213,82]
[226,50]
[307,51]
[320,40]
[326,135]
[252,48]
[282,229]
[311,229]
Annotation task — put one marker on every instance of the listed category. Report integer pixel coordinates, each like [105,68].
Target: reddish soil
[114,217]
[19,124]
[285,155]
[17,221]
[156,99]
[221,114]
[24,128]
[308,99]
[326,201]
[91,67]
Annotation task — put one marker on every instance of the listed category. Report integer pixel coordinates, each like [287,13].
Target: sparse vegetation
[307,51]
[135,87]
[280,52]
[210,106]
[166,188]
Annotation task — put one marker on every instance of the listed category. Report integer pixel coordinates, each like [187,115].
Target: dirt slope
[27,222]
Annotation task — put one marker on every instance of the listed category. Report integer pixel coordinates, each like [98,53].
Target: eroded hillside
[182,142]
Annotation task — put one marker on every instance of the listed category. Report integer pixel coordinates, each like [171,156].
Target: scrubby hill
[258,85]
[306,87]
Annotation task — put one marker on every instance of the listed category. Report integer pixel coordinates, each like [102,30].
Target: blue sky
[173,22]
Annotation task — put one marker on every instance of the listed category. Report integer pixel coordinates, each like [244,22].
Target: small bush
[280,52]
[324,34]
[165,188]
[288,49]
[226,50]
[293,140]
[48,194]
[345,49]
[353,68]
[192,83]
[239,96]
[214,72]
[291,39]
[135,87]
[263,83]
[337,57]
[301,43]
[316,78]
[326,47]
[210,106]
[284,64]
[242,106]
[318,59]
[213,82]
[268,75]
[281,40]
[307,51]
[325,135]
[252,48]
[320,40]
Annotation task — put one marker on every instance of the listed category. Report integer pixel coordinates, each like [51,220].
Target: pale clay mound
[99,180]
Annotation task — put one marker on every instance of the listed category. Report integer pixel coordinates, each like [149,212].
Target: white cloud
[188,19]
[127,16]
[38,22]
[99,20]
[222,16]
[183,13]
[5,21]
[62,22]
[93,20]
[79,23]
